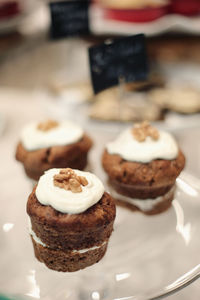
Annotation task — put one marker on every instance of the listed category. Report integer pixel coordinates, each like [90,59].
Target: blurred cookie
[77,91]
[132,107]
[183,100]
[52,144]
[155,80]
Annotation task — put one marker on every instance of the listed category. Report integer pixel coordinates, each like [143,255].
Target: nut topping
[142,130]
[68,180]
[47,125]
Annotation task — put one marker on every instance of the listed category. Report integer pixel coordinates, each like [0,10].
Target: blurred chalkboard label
[69,18]
[121,58]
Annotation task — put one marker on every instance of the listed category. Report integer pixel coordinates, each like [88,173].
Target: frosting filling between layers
[66,201]
[144,205]
[65,133]
[132,150]
[38,241]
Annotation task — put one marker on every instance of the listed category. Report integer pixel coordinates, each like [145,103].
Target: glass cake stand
[148,257]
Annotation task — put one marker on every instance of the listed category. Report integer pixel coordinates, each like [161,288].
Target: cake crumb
[142,130]
[68,180]
[47,125]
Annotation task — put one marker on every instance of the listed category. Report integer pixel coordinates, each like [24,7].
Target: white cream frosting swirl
[64,134]
[131,150]
[66,201]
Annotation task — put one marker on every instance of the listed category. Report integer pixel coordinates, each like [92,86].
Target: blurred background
[32,59]
[44,72]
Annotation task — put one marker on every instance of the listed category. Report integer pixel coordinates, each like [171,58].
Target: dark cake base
[78,163]
[68,261]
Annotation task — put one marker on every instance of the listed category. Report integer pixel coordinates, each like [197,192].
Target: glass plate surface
[147,257]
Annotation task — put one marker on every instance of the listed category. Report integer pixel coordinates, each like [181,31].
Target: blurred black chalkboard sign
[69,18]
[122,58]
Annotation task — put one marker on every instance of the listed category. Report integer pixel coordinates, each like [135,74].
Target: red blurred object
[9,9]
[185,7]
[136,15]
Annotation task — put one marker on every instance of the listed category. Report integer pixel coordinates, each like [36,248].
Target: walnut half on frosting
[68,180]
[47,125]
[142,130]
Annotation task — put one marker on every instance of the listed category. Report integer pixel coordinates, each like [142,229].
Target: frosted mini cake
[52,144]
[142,165]
[71,219]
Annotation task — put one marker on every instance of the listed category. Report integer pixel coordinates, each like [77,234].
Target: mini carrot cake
[71,219]
[52,144]
[142,165]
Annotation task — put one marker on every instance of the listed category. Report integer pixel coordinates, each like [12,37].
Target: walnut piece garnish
[142,130]
[47,125]
[68,180]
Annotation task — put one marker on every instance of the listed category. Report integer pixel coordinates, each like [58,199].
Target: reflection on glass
[125,298]
[184,230]
[186,188]
[95,296]
[183,279]
[34,290]
[122,276]
[7,226]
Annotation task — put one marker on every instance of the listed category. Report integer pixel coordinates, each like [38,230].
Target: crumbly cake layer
[72,231]
[67,261]
[157,174]
[70,156]
[80,163]
[141,192]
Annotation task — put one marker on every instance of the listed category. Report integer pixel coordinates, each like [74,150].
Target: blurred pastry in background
[9,9]
[131,107]
[155,79]
[16,15]
[184,100]
[178,49]
[142,165]
[69,99]
[52,144]
[80,91]
[134,10]
[133,4]
[185,7]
